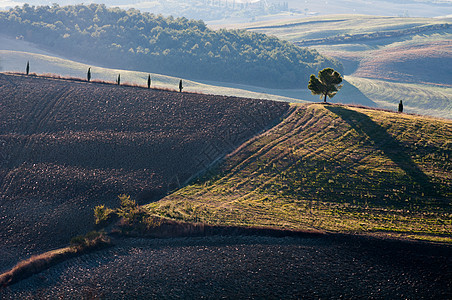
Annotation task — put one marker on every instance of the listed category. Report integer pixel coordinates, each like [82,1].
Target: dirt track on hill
[248,267]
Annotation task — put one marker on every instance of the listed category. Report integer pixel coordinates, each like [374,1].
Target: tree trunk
[324,99]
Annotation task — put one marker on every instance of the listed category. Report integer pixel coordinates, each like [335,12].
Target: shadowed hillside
[326,167]
[68,146]
[332,167]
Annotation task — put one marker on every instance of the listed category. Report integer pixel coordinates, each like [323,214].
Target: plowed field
[240,267]
[67,146]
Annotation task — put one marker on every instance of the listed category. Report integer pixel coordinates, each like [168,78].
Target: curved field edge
[164,228]
[38,263]
[332,168]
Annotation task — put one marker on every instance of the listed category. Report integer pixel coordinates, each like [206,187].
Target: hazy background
[237,11]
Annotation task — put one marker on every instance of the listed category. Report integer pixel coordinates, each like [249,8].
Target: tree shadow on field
[390,146]
[350,94]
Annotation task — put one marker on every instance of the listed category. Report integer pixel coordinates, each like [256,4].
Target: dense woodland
[174,46]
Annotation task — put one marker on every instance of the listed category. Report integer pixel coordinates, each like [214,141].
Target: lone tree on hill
[180,86]
[27,69]
[400,106]
[149,81]
[326,85]
[118,81]
[88,76]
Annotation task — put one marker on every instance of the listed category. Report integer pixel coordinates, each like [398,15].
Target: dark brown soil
[248,267]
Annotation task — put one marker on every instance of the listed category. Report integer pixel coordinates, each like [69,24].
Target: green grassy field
[333,168]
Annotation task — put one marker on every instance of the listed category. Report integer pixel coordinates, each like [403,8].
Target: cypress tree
[88,76]
[180,86]
[27,69]
[400,106]
[149,81]
[119,79]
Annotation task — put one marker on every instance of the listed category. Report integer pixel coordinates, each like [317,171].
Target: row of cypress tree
[118,79]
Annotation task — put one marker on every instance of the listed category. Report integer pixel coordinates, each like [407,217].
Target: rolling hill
[334,168]
[14,55]
[407,56]
[386,59]
[424,63]
[67,146]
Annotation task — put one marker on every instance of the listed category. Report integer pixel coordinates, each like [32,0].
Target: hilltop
[333,168]
[49,63]
[14,55]
[67,146]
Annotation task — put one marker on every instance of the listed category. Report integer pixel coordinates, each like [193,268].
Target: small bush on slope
[133,217]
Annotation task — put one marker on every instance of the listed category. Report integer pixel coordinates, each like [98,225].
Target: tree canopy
[174,46]
[326,85]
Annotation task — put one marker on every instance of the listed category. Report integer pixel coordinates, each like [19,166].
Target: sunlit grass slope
[334,168]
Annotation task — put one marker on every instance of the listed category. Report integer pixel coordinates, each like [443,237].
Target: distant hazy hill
[387,58]
[68,146]
[332,167]
[415,50]
[133,40]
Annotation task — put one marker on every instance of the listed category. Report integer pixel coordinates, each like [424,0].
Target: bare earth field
[67,146]
[248,267]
